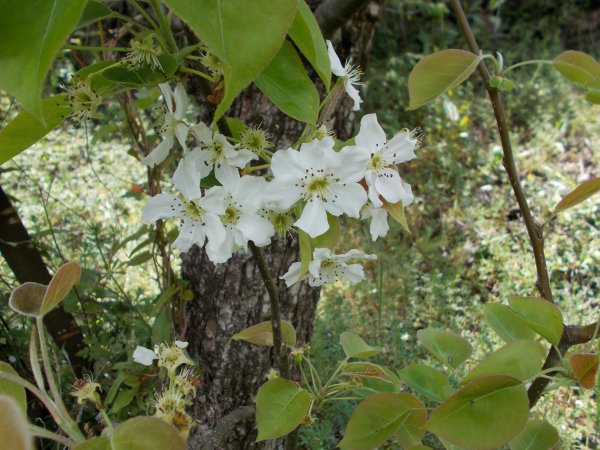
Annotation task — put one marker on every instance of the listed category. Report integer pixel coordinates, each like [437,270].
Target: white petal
[250,193]
[238,158]
[202,133]
[143,355]
[159,154]
[354,95]
[400,148]
[220,253]
[370,177]
[352,163]
[285,164]
[370,135]
[167,95]
[282,194]
[379,226]
[228,176]
[314,218]
[407,194]
[353,254]
[190,170]
[215,231]
[181,101]
[319,255]
[181,344]
[318,154]
[181,131]
[389,184]
[353,273]
[349,199]
[256,229]
[292,276]
[162,206]
[336,64]
[191,232]
[214,200]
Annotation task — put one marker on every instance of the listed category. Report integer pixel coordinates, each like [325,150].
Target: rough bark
[25,261]
[232,296]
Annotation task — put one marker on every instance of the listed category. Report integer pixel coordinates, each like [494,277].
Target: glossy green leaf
[396,210]
[93,12]
[593,92]
[280,407]
[378,417]
[306,34]
[355,347]
[32,32]
[245,35]
[123,399]
[506,323]
[537,435]
[577,67]
[14,433]
[427,381]
[447,347]
[11,389]
[519,359]
[330,238]
[140,258]
[67,276]
[541,316]
[286,83]
[146,433]
[436,73]
[579,194]
[27,299]
[486,413]
[25,129]
[96,443]
[262,334]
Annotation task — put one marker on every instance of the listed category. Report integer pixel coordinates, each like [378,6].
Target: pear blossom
[378,226]
[327,268]
[349,74]
[215,152]
[143,355]
[243,200]
[171,124]
[381,155]
[199,216]
[85,389]
[171,357]
[325,179]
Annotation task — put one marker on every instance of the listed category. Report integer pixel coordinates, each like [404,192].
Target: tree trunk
[232,296]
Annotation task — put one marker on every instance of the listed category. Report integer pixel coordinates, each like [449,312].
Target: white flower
[181,344]
[215,152]
[348,72]
[382,175]
[379,226]
[171,124]
[325,179]
[243,199]
[143,355]
[199,216]
[326,268]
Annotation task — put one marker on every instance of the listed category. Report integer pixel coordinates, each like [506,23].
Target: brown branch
[225,425]
[332,14]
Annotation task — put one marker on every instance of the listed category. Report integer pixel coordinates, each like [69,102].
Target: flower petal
[389,184]
[292,276]
[286,165]
[282,194]
[181,101]
[352,163]
[181,132]
[191,232]
[160,153]
[314,218]
[202,133]
[400,148]
[238,157]
[189,172]
[353,272]
[256,229]
[370,135]
[353,254]
[348,199]
[167,95]
[407,194]
[162,206]
[214,200]
[354,95]
[334,59]
[143,355]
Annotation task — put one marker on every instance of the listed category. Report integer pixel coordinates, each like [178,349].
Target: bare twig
[226,424]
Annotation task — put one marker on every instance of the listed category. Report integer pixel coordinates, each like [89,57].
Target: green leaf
[123,399]
[114,387]
[140,258]
[579,194]
[13,426]
[519,359]
[306,34]
[436,73]
[305,252]
[67,276]
[161,328]
[330,238]
[486,413]
[245,35]
[25,129]
[537,435]
[286,83]
[236,126]
[593,92]
[12,389]
[262,334]
[147,433]
[362,369]
[447,347]
[355,347]
[426,380]
[378,417]
[93,12]
[32,32]
[96,443]
[541,316]
[396,210]
[577,67]
[280,407]
[507,324]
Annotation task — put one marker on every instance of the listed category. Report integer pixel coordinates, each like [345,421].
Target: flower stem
[196,72]
[43,433]
[145,14]
[164,25]
[525,63]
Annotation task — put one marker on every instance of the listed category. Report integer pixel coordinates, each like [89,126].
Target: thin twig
[226,424]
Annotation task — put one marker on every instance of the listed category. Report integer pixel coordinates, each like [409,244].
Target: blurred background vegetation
[80,194]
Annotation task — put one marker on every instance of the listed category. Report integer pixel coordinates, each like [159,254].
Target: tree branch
[225,425]
[332,14]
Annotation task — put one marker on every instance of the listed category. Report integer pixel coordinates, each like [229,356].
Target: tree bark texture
[232,296]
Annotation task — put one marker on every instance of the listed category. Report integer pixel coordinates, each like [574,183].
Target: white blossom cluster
[302,187]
